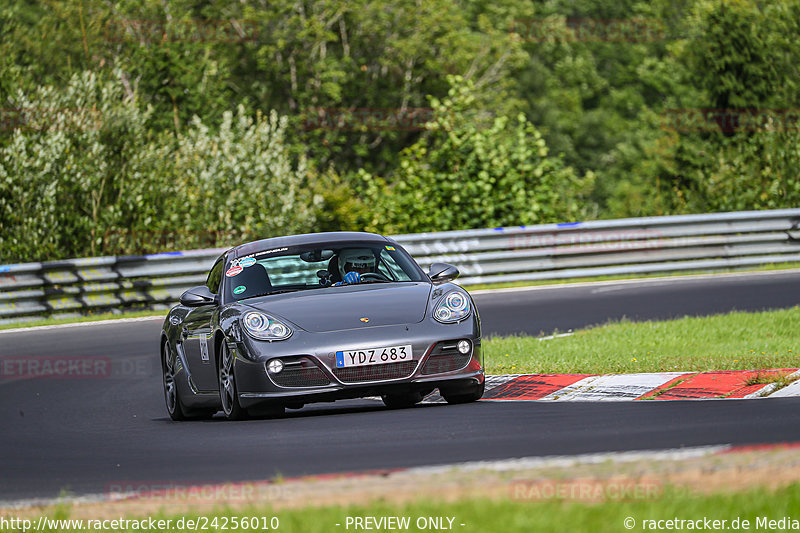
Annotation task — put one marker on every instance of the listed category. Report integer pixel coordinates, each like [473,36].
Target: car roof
[306,238]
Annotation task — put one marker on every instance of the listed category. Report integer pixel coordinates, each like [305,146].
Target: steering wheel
[374,275]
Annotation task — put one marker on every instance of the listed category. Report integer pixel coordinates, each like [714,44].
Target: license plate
[373,356]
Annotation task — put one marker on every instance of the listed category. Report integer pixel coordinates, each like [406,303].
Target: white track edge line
[81,324]
[628,281]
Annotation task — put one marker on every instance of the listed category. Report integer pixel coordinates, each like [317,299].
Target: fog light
[463,346]
[275,366]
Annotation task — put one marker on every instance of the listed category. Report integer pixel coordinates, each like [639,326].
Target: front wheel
[175,408]
[228,393]
[464,396]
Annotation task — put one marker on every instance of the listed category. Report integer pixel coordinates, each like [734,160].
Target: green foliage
[476,171]
[589,92]
[741,57]
[550,123]
[736,53]
[750,171]
[377,55]
[292,57]
[240,179]
[340,206]
[84,177]
[65,167]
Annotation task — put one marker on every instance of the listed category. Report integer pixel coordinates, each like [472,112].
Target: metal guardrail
[521,253]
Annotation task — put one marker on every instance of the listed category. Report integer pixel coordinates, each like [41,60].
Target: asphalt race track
[85,435]
[545,309]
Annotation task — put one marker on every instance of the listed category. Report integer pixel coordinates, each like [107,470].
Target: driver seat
[333,269]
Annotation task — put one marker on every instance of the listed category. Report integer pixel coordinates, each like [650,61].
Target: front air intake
[445,357]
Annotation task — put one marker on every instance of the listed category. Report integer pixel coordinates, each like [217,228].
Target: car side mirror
[442,272]
[197,296]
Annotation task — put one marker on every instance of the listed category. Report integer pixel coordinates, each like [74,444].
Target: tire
[401,401]
[228,393]
[462,396]
[175,408]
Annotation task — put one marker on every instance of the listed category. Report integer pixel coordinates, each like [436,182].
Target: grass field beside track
[735,341]
[510,516]
[506,516]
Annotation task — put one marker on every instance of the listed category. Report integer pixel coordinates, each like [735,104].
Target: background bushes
[131,127]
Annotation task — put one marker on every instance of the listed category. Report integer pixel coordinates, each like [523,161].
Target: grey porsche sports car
[292,320]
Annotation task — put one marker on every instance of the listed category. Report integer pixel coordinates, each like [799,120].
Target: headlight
[454,307]
[264,327]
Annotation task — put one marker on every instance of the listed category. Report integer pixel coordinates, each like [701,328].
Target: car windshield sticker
[239,290]
[232,271]
[247,262]
[274,250]
[390,248]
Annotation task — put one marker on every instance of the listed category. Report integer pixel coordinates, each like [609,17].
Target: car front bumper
[310,357]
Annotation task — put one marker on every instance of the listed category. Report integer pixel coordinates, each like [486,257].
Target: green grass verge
[507,516]
[516,284]
[87,318]
[736,341]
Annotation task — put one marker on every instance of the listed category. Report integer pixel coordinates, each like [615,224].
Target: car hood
[338,308]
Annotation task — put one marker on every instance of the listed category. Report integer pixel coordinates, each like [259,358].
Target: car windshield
[288,269]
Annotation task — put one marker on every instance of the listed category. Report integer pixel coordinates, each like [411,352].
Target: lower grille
[445,357]
[305,374]
[357,374]
[445,363]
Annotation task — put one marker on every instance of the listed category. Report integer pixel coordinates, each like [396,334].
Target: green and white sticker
[240,289]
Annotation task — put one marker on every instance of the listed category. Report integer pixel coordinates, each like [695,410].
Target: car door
[198,340]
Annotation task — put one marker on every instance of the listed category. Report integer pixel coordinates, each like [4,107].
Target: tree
[64,170]
[739,150]
[472,170]
[82,175]
[241,180]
